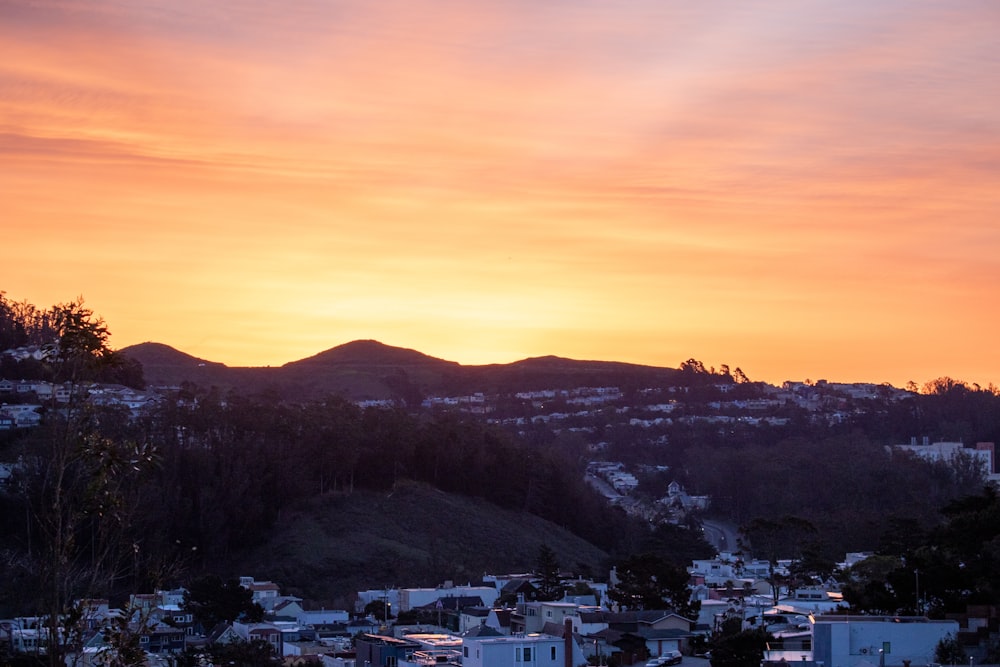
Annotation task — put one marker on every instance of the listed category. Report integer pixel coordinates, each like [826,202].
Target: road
[606,489]
[721,535]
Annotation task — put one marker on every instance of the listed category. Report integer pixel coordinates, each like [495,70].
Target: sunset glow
[801,188]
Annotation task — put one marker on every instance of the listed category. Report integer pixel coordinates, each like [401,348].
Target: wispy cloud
[662,174]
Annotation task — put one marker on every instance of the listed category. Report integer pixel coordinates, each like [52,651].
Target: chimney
[568,642]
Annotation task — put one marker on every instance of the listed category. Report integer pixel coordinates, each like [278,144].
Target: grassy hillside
[415,536]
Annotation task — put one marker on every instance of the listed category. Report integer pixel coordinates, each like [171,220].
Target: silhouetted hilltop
[368,369]
[158,354]
[371,353]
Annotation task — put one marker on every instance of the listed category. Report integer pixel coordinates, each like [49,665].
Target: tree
[775,539]
[867,587]
[960,563]
[647,581]
[80,484]
[380,610]
[741,649]
[550,584]
[256,653]
[211,601]
[122,647]
[949,651]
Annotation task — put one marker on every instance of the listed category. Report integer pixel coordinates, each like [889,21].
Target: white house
[264,593]
[533,650]
[324,617]
[848,641]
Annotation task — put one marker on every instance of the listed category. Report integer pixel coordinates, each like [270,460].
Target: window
[517,654]
[552,649]
[390,661]
[527,655]
[465,651]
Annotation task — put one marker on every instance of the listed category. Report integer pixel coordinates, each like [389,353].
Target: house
[519,588]
[23,415]
[533,650]
[449,610]
[287,608]
[471,618]
[264,593]
[323,617]
[435,647]
[413,598]
[174,615]
[532,616]
[266,632]
[161,638]
[22,635]
[655,631]
[143,602]
[382,651]
[223,633]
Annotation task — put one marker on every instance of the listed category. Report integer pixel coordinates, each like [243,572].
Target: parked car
[671,658]
[667,658]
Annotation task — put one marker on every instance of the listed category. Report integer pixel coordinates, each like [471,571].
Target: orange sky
[803,189]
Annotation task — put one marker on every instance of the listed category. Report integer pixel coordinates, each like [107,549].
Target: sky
[803,189]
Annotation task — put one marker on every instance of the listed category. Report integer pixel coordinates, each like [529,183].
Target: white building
[849,641]
[953,452]
[324,617]
[532,650]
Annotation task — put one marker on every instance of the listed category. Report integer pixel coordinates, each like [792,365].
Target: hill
[415,535]
[369,370]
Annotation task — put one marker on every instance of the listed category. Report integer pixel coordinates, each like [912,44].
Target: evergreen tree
[550,584]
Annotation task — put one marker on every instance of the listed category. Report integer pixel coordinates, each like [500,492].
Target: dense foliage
[71,340]
[227,467]
[936,571]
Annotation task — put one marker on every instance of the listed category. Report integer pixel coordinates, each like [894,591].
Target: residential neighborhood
[465,625]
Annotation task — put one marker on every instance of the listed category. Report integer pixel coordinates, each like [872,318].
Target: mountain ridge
[369,369]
